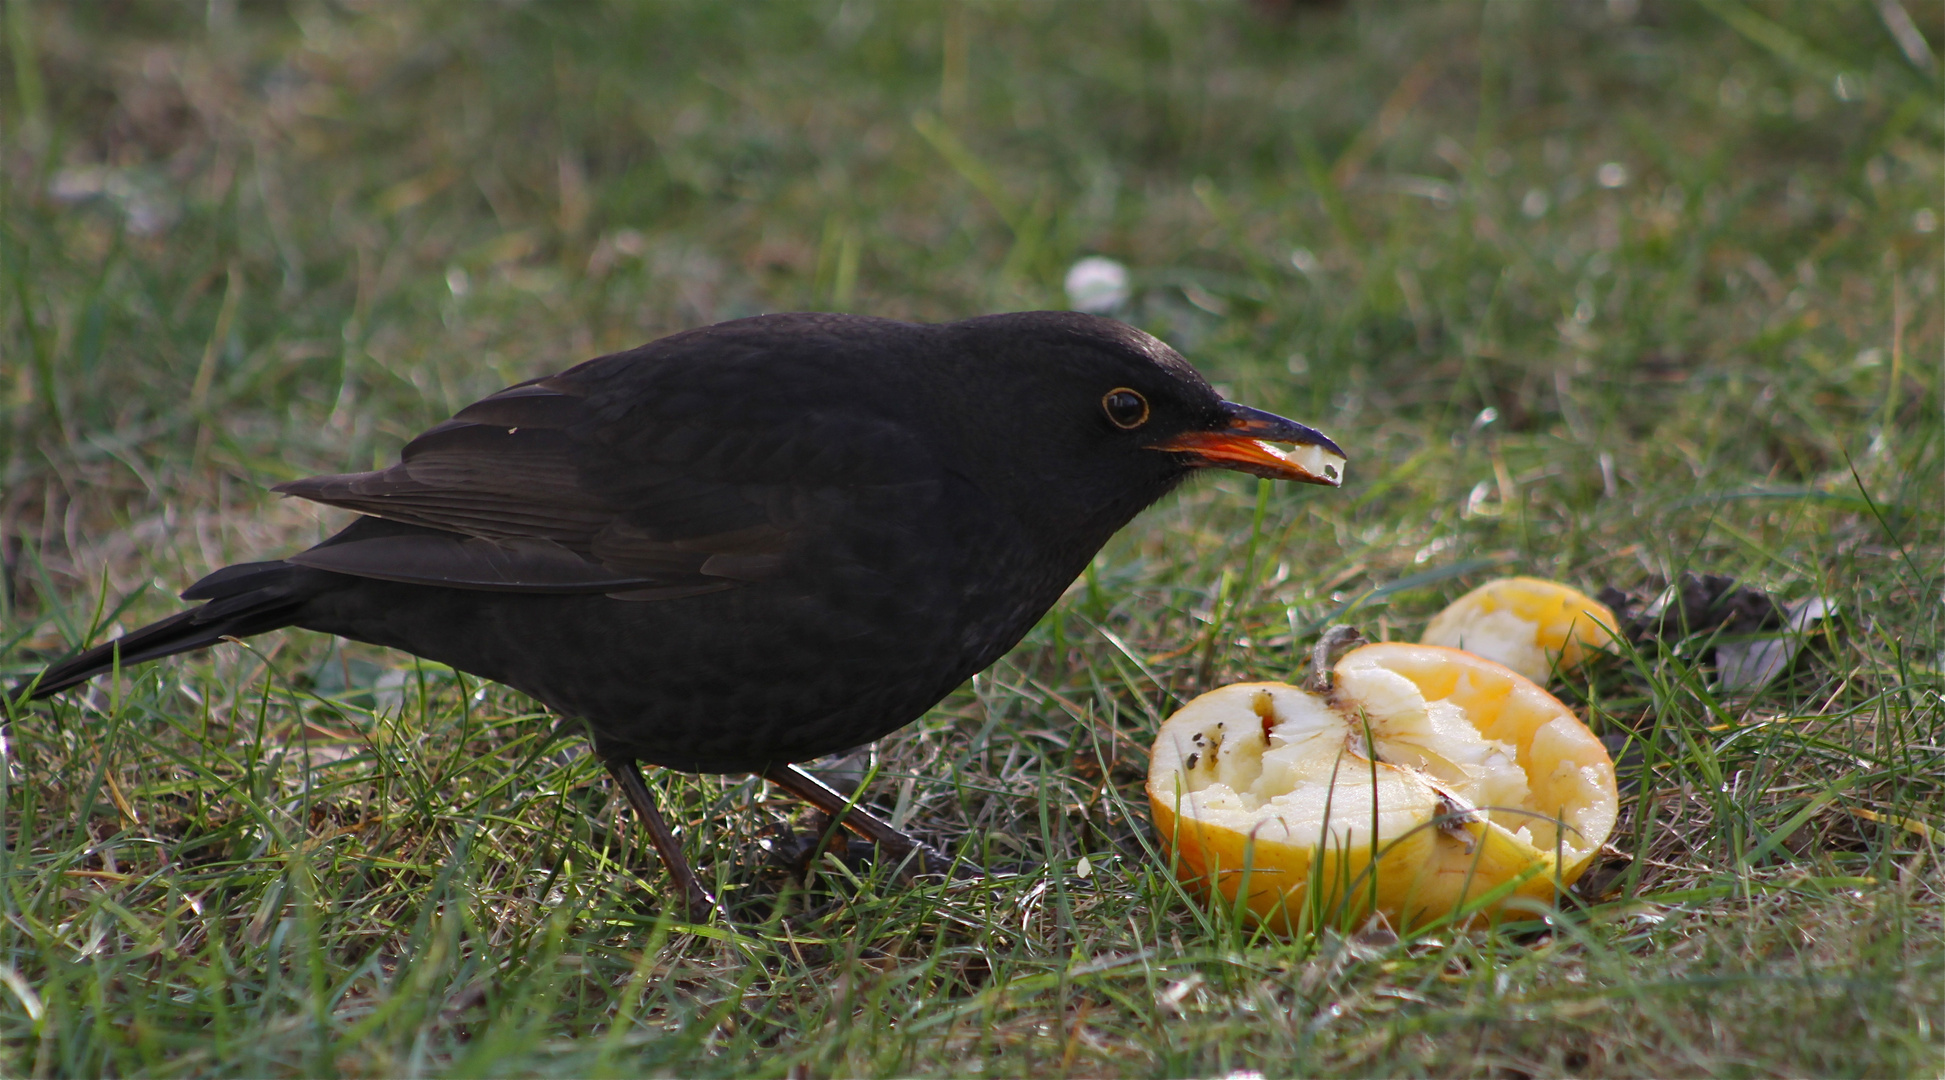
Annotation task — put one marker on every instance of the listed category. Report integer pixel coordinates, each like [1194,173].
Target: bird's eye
[1126,408]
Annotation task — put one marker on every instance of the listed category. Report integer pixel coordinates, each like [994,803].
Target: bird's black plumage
[752,543]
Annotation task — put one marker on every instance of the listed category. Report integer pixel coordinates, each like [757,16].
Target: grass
[1600,292]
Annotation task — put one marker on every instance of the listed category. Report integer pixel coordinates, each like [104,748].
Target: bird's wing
[535,489]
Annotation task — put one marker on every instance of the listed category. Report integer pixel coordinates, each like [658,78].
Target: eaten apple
[1531,625]
[1416,781]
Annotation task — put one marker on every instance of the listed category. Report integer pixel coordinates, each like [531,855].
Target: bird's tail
[242,600]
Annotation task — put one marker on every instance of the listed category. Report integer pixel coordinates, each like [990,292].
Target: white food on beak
[1316,461]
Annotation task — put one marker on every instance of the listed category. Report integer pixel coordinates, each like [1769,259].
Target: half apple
[1424,782]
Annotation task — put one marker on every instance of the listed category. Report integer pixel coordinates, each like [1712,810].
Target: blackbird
[750,544]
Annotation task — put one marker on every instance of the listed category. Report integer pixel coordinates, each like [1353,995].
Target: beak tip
[1245,445]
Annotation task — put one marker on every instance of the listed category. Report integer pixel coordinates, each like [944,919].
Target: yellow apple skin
[1422,873]
[1528,624]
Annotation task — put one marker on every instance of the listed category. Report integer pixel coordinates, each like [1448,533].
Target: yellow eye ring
[1126,409]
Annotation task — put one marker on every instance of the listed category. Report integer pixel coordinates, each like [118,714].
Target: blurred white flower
[142,196]
[1097,284]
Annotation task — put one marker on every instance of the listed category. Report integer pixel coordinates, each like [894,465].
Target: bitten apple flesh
[1529,624]
[1425,780]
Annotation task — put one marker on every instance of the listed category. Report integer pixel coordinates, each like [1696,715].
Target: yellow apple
[1528,624]
[1423,781]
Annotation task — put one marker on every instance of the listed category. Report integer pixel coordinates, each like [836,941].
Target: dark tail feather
[242,600]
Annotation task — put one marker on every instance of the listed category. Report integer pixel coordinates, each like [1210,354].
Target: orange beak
[1244,443]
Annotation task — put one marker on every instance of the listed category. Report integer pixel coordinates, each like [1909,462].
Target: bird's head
[1103,411]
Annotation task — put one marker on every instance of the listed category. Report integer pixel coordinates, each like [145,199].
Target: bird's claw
[908,857]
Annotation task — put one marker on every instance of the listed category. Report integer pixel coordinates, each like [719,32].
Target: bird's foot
[906,856]
[914,855]
[922,858]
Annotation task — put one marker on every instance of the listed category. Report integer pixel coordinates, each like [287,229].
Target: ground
[1604,292]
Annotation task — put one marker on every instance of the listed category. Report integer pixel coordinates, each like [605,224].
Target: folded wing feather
[504,485]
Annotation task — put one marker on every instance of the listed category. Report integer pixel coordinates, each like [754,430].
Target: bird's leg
[826,798]
[628,776]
